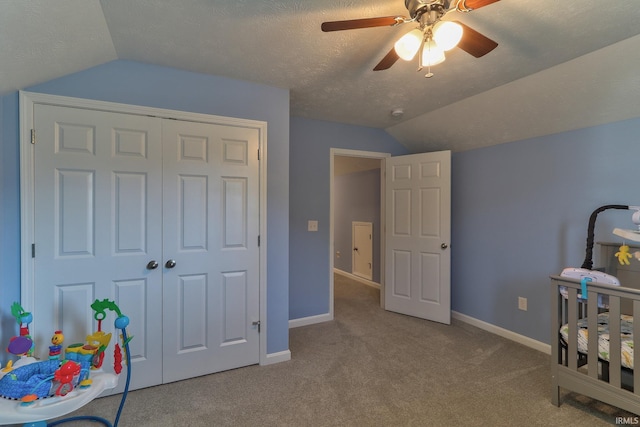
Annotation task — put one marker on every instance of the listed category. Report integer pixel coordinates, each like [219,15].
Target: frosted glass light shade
[409,44]
[447,34]
[432,54]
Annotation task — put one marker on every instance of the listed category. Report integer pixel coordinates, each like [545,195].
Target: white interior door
[362,241]
[211,233]
[114,192]
[418,234]
[97,194]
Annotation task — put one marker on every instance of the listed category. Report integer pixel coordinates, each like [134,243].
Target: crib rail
[590,374]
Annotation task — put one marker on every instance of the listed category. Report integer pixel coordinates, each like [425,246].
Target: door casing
[353,153]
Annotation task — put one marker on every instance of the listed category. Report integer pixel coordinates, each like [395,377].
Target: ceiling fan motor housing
[417,8]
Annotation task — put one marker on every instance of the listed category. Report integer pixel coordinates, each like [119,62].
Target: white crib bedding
[626,337]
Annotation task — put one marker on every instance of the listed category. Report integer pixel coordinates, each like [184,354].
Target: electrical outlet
[312,225]
[522,303]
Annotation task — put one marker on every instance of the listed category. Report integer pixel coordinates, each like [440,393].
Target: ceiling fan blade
[388,60]
[467,5]
[355,24]
[475,43]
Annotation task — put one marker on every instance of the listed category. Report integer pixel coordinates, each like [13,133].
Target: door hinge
[256,323]
[33,250]
[258,154]
[33,136]
[258,240]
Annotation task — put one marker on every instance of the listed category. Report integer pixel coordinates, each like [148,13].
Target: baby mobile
[624,254]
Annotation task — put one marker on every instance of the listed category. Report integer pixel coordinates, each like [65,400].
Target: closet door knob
[152,265]
[170,264]
[444,246]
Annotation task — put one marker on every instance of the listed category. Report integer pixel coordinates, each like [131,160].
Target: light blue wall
[520,213]
[519,210]
[356,197]
[311,141]
[140,84]
[9,220]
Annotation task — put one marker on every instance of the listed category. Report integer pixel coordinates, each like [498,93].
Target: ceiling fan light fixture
[447,34]
[432,30]
[409,44]
[432,54]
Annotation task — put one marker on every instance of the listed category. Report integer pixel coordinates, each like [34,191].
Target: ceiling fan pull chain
[420,64]
[429,73]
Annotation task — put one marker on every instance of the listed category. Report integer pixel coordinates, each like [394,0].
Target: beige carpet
[370,367]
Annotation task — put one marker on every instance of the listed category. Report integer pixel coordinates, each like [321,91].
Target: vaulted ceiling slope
[559,65]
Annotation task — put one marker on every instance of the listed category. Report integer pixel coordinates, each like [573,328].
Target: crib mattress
[626,337]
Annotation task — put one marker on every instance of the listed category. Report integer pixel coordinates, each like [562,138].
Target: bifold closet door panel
[98,192]
[211,221]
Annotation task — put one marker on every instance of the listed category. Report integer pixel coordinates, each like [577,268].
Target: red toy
[117,359]
[64,375]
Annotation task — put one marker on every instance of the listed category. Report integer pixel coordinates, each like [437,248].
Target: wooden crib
[599,374]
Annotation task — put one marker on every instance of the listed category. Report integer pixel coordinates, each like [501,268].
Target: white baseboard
[357,278]
[311,320]
[281,356]
[505,333]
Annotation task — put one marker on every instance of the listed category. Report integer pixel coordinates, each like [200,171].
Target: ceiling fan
[431,38]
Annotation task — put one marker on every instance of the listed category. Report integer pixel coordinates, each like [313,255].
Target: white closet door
[115,192]
[211,223]
[96,226]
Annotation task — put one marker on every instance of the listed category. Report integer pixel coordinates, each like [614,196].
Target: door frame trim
[333,152]
[27,182]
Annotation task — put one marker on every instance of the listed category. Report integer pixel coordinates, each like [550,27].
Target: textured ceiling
[556,63]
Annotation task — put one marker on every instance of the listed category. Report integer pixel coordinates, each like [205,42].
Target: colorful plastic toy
[24,319]
[66,375]
[34,391]
[54,350]
[623,255]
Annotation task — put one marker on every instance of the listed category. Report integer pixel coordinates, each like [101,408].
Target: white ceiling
[560,65]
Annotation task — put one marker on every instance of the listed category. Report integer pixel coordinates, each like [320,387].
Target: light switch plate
[522,303]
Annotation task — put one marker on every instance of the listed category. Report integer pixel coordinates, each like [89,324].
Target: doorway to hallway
[356,198]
